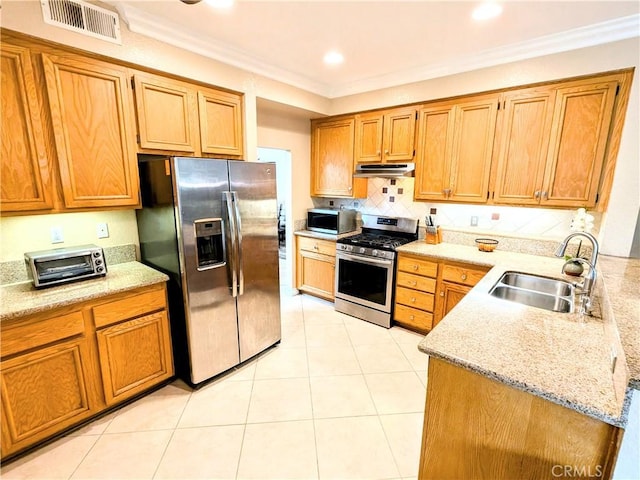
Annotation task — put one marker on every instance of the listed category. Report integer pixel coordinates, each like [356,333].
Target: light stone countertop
[324,236]
[562,357]
[20,299]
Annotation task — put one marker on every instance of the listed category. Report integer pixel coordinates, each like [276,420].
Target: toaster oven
[326,220]
[62,265]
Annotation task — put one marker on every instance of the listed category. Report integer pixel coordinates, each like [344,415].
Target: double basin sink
[535,291]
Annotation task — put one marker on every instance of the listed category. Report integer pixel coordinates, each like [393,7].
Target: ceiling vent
[82,17]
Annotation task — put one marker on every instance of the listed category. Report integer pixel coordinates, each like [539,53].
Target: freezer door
[210,308]
[258,297]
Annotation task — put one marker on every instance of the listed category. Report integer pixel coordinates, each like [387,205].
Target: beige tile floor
[339,398]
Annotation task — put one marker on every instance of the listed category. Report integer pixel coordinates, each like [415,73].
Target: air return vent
[82,17]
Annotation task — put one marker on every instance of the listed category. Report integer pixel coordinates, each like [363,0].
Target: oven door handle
[370,260]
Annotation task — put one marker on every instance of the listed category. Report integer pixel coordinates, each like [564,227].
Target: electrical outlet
[102,230]
[495,216]
[474,221]
[57,235]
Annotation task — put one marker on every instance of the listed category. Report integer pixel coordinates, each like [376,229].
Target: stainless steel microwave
[61,265]
[326,220]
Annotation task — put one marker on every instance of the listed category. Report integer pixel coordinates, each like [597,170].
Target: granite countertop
[563,357]
[324,236]
[622,285]
[20,299]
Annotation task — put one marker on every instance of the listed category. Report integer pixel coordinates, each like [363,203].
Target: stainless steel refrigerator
[211,225]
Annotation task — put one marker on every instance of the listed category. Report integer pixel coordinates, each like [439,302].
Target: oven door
[366,281]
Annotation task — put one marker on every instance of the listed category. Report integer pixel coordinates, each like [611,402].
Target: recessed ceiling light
[333,58]
[220,3]
[486,11]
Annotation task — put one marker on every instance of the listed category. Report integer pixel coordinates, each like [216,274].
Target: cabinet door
[332,163]
[433,159]
[134,355]
[221,116]
[43,392]
[315,274]
[474,129]
[399,134]
[166,115]
[578,144]
[26,181]
[94,133]
[449,296]
[369,138]
[524,142]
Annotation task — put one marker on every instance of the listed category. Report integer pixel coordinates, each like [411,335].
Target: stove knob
[362,249]
[375,253]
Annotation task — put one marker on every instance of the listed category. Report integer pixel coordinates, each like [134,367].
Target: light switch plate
[57,235]
[474,221]
[102,230]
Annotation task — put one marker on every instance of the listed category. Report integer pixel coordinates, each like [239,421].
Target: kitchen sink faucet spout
[590,280]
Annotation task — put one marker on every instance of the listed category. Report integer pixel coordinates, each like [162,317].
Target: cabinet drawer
[129,307]
[463,275]
[413,317]
[316,245]
[413,298]
[417,266]
[424,284]
[37,333]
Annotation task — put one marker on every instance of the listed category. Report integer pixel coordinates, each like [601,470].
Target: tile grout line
[246,419]
[313,417]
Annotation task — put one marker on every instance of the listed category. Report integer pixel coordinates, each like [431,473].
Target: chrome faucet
[589,281]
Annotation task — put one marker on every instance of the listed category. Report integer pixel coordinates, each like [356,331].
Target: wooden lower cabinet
[428,288]
[316,266]
[476,427]
[60,368]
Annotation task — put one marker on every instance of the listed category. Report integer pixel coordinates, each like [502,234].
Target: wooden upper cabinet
[433,159]
[332,164]
[455,145]
[25,173]
[524,142]
[221,116]
[159,100]
[94,132]
[553,144]
[578,143]
[387,136]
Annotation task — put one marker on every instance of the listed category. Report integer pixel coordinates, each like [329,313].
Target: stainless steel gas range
[365,267]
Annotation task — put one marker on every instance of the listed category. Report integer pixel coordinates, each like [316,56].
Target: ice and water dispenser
[210,249]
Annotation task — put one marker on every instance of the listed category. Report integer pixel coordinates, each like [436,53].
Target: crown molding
[591,35]
[154,27]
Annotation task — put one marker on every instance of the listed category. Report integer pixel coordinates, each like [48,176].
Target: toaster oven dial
[96,254]
[100,269]
[98,262]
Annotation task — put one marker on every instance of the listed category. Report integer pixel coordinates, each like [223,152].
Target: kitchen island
[520,368]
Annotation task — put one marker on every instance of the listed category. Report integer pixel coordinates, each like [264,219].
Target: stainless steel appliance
[384,170]
[365,267]
[48,268]
[211,225]
[334,221]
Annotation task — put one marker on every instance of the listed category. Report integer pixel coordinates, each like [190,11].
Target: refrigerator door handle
[228,198]
[238,259]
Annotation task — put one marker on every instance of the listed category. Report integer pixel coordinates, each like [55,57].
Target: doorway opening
[282,159]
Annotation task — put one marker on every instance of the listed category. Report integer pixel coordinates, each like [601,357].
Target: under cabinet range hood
[384,170]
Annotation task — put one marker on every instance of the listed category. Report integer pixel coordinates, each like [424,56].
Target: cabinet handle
[545,195]
[411,317]
[415,267]
[413,299]
[463,276]
[442,294]
[378,153]
[386,152]
[315,247]
[413,284]
[350,188]
[537,194]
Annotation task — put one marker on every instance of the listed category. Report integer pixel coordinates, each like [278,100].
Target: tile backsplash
[394,197]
